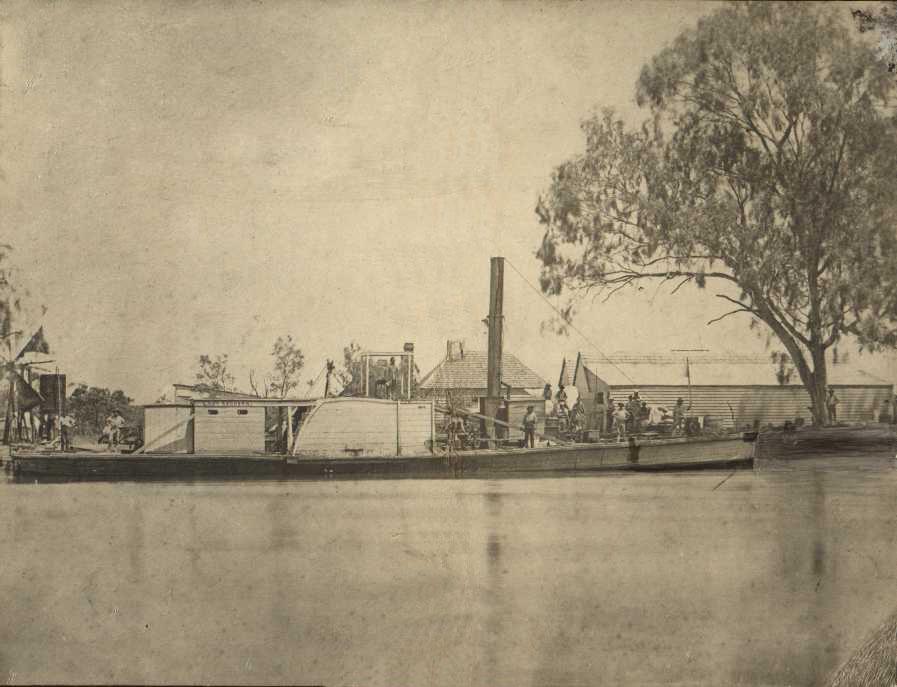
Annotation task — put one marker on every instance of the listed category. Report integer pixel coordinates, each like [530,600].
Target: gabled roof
[568,372]
[469,371]
[711,371]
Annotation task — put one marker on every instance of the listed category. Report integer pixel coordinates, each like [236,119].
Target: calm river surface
[767,578]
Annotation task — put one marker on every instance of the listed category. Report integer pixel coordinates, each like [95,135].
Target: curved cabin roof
[629,371]
[469,371]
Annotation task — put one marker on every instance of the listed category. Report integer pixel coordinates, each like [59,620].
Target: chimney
[454,350]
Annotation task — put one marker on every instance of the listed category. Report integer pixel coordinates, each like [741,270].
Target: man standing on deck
[66,427]
[635,412]
[118,426]
[831,403]
[679,417]
[561,400]
[620,416]
[529,427]
[577,414]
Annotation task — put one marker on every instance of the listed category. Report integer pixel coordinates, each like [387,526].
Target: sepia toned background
[203,177]
[187,178]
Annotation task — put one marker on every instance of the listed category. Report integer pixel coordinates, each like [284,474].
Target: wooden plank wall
[229,431]
[765,404]
[158,422]
[350,427]
[415,427]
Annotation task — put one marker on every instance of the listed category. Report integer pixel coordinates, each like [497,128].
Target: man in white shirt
[620,417]
[118,425]
[66,428]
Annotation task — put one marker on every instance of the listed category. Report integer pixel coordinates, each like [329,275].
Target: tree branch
[731,312]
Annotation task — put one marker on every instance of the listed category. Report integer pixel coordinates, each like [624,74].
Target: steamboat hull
[654,456]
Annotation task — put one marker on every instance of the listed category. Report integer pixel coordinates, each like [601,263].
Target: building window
[599,397]
[212,411]
[242,411]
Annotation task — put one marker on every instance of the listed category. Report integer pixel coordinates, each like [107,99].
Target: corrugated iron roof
[470,372]
[708,370]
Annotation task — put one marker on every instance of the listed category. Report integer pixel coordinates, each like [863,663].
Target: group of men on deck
[630,417]
[635,415]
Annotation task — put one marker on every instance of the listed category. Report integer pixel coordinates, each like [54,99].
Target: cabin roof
[206,392]
[469,371]
[628,371]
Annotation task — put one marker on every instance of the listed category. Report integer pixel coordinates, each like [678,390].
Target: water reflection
[494,594]
[767,577]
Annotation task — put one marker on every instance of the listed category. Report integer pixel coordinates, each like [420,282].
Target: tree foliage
[766,166]
[349,375]
[10,296]
[90,406]
[214,374]
[883,21]
[288,363]
[284,377]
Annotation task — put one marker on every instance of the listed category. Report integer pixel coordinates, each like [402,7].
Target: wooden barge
[729,452]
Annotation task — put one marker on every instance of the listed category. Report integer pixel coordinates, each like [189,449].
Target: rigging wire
[570,324]
[315,380]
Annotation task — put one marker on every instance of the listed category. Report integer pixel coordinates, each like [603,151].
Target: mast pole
[327,380]
[496,320]
[688,370]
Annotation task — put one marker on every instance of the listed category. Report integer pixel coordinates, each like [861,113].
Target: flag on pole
[37,344]
[20,393]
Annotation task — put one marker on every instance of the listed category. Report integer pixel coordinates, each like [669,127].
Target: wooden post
[289,428]
[7,425]
[327,379]
[398,438]
[493,375]
[364,373]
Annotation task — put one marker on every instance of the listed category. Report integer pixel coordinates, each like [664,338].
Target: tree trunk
[815,380]
[819,386]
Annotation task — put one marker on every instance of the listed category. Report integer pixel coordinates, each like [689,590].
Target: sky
[187,178]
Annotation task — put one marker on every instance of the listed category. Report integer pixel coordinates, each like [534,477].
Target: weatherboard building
[727,391]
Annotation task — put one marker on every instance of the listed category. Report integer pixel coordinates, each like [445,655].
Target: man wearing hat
[529,427]
[561,399]
[831,402]
[679,416]
[635,412]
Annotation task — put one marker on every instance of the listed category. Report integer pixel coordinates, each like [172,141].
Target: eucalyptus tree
[766,165]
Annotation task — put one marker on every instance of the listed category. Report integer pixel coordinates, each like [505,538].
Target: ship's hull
[671,454]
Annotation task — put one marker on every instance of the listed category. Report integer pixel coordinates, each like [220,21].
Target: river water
[765,577]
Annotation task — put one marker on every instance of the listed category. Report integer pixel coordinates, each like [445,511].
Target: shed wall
[230,430]
[764,404]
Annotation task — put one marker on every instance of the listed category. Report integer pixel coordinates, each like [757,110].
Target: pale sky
[182,178]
